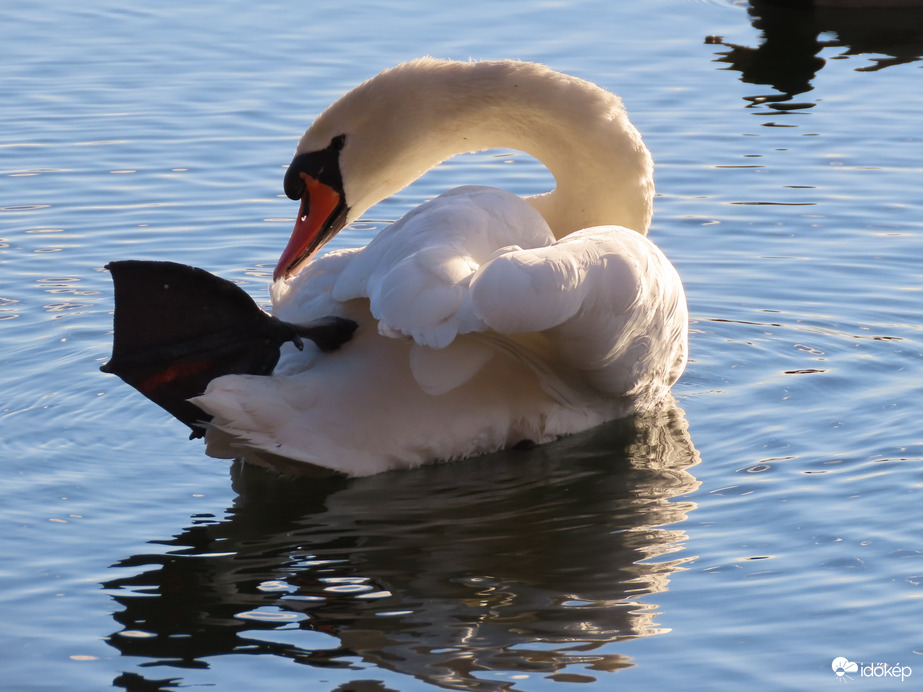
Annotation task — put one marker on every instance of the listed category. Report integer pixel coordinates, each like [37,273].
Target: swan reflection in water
[516,562]
[792,38]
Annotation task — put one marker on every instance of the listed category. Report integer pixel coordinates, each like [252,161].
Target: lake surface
[770,522]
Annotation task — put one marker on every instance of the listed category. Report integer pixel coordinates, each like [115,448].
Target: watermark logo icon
[841,666]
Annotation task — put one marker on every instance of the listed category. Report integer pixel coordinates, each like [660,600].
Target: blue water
[768,524]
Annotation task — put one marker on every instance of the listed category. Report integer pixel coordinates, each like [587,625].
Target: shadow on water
[517,562]
[792,37]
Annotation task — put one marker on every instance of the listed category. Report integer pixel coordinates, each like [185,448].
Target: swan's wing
[609,304]
[477,271]
[416,273]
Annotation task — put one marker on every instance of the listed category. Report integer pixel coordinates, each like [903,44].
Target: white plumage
[485,319]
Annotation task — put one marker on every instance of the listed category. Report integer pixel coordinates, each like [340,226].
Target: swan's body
[484,319]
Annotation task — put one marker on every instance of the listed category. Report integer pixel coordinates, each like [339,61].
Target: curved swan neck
[410,118]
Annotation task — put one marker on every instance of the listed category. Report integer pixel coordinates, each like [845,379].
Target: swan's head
[373,141]
[315,179]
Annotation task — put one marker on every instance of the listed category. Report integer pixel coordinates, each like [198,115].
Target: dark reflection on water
[514,562]
[791,39]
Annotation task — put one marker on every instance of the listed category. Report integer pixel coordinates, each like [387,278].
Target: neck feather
[414,116]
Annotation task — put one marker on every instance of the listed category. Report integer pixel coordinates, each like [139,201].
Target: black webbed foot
[176,328]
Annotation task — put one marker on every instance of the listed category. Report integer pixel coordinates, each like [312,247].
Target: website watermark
[846,670]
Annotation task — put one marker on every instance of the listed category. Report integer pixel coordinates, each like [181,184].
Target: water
[765,526]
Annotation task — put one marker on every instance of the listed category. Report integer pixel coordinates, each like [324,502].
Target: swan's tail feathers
[176,328]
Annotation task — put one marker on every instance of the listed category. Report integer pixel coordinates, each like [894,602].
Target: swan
[485,320]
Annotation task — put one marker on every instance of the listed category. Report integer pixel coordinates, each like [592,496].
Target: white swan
[484,319]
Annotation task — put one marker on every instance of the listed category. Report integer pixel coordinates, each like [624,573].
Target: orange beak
[321,216]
